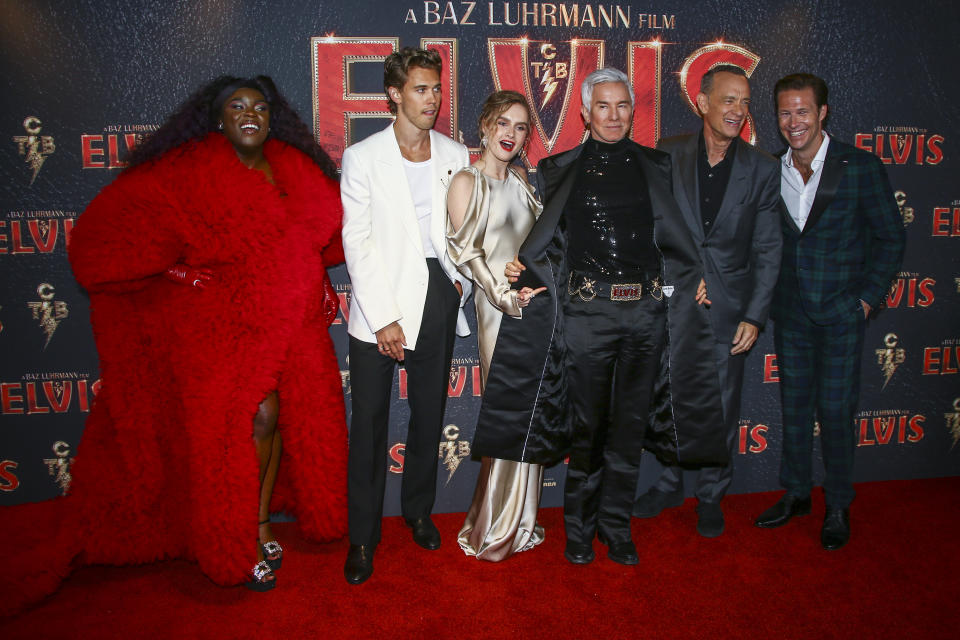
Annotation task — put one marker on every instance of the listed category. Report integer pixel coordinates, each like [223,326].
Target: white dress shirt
[796,195]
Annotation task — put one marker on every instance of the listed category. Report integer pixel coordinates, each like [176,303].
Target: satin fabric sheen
[502,517]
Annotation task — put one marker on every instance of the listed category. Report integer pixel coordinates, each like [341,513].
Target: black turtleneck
[609,218]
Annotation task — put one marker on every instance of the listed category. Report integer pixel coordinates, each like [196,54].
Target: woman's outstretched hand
[525,295]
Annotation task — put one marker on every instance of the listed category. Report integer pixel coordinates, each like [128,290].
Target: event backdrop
[83,81]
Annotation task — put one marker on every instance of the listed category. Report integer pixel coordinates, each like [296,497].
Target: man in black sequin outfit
[632,280]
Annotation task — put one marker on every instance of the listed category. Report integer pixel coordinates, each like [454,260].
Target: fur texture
[167,467]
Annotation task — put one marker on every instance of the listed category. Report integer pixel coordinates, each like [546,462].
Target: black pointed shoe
[623,553]
[425,533]
[578,553]
[359,565]
[779,514]
[836,529]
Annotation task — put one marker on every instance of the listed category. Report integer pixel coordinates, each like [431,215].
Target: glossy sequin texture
[609,216]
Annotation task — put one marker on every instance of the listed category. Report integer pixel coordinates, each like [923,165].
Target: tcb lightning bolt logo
[59,467]
[453,450]
[890,357]
[551,72]
[33,146]
[48,311]
[906,213]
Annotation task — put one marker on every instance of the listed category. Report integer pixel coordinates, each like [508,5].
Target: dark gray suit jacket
[741,253]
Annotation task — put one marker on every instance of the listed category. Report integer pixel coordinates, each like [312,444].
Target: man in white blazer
[407,299]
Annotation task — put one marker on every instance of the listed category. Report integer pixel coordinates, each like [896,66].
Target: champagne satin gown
[502,519]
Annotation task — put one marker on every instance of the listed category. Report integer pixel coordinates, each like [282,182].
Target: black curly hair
[199,115]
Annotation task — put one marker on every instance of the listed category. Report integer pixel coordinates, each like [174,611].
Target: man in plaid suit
[842,245]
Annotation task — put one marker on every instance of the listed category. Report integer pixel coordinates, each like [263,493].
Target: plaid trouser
[819,378]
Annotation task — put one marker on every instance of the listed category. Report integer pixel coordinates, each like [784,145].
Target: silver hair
[607,74]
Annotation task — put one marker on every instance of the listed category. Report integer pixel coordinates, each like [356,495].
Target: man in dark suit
[843,242]
[620,267]
[729,194]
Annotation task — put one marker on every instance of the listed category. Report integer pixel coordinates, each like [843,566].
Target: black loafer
[709,519]
[836,529]
[425,533]
[650,504]
[779,514]
[578,553]
[623,553]
[359,564]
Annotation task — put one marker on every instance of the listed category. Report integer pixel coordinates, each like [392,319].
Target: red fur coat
[167,467]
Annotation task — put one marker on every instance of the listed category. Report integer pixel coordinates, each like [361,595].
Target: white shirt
[419,175]
[796,195]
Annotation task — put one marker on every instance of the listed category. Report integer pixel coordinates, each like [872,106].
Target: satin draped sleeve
[466,245]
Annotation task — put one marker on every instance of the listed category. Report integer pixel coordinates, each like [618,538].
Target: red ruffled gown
[166,466]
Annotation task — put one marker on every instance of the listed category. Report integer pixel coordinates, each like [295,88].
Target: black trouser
[613,353]
[371,380]
[713,482]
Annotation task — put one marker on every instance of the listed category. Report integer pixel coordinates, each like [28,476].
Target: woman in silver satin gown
[491,209]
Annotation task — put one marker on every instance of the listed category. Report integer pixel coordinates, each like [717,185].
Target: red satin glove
[189,276]
[331,302]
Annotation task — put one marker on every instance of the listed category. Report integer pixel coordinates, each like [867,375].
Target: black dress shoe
[709,519]
[359,565]
[425,533]
[779,514]
[578,553]
[836,529]
[650,504]
[623,553]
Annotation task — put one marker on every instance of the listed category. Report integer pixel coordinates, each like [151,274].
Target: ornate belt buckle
[626,292]
[587,285]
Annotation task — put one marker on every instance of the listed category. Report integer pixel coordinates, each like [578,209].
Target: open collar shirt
[796,195]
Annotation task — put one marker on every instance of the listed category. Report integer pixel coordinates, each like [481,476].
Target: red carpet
[898,578]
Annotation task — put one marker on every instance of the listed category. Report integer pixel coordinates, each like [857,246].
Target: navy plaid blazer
[851,245]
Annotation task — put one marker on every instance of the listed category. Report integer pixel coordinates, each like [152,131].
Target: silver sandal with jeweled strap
[261,572]
[272,548]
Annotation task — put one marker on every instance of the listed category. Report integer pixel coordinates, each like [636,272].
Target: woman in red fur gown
[205,264]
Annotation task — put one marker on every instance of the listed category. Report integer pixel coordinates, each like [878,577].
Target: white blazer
[381,236]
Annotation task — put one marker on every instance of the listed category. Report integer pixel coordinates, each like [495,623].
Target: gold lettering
[570,18]
[531,13]
[490,19]
[506,15]
[623,18]
[548,11]
[470,7]
[449,15]
[606,17]
[431,12]
[588,16]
